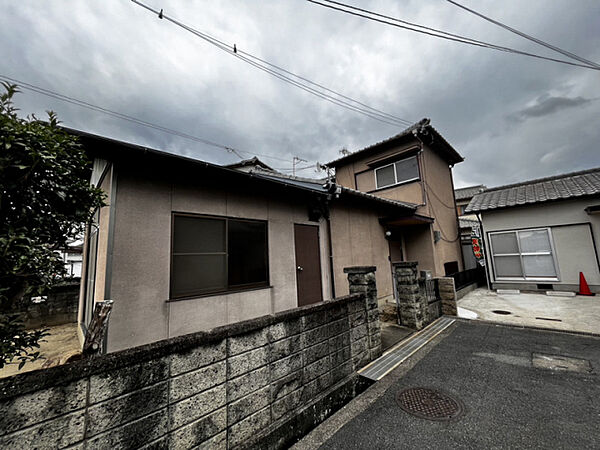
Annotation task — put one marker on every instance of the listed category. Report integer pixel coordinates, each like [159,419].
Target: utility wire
[279,72]
[349,9]
[527,36]
[122,116]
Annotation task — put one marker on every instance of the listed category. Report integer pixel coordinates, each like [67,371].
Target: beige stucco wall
[410,192]
[359,240]
[141,258]
[434,194]
[418,242]
[440,201]
[573,233]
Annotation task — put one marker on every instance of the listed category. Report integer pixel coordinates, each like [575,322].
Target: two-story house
[414,166]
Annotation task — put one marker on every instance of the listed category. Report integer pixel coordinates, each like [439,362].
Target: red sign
[476,248]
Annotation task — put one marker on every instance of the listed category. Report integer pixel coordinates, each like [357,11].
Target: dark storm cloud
[547,104]
[118,56]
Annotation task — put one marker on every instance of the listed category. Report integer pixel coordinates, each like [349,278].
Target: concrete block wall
[259,383]
[366,324]
[57,308]
[412,304]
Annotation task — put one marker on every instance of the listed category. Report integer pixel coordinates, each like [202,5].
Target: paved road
[510,401]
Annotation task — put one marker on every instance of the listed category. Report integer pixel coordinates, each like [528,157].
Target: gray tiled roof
[463,222]
[321,187]
[422,128]
[468,192]
[569,185]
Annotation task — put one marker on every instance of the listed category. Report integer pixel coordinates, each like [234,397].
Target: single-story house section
[184,245]
[540,234]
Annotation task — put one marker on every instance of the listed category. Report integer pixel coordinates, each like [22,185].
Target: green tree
[45,200]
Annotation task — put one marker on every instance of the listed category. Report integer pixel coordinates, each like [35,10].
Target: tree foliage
[45,201]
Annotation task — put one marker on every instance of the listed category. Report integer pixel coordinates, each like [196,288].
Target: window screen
[407,169]
[523,254]
[216,254]
[398,172]
[385,176]
[505,243]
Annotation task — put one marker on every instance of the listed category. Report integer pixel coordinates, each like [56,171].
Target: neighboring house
[464,195]
[540,234]
[414,166]
[184,245]
[467,223]
[72,257]
[251,165]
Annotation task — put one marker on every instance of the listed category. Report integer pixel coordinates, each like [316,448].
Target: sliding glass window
[214,254]
[402,171]
[523,255]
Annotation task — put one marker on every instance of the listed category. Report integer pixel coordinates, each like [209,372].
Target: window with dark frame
[399,172]
[217,254]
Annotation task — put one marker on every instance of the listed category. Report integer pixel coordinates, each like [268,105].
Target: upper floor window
[399,172]
[214,254]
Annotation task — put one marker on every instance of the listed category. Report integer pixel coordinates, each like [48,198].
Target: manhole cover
[429,404]
[501,312]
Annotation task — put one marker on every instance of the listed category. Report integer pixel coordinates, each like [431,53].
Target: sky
[512,117]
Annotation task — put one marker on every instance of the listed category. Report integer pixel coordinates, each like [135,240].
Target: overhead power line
[395,22]
[527,36]
[132,119]
[287,76]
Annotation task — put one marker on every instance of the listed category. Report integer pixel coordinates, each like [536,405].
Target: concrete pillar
[362,281]
[448,295]
[411,300]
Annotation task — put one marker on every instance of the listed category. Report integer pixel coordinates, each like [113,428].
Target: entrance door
[308,264]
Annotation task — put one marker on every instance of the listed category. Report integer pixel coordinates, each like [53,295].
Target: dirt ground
[579,313]
[60,345]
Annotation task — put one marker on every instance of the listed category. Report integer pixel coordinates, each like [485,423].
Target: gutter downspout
[422,181]
[462,257]
[485,252]
[331,271]
[333,192]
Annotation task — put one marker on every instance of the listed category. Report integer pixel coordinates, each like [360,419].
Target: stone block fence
[261,383]
[420,302]
[56,308]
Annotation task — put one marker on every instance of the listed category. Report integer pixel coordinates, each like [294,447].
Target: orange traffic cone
[584,289]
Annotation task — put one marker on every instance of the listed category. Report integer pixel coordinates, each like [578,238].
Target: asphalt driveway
[520,388]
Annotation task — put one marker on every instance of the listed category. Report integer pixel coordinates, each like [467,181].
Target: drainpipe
[462,257]
[421,157]
[333,192]
[331,271]
[485,252]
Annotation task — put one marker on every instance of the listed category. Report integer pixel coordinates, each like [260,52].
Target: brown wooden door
[308,264]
